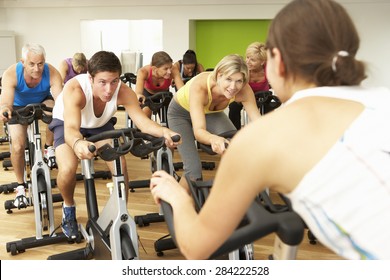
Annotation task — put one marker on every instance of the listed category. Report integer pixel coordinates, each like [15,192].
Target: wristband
[75,142]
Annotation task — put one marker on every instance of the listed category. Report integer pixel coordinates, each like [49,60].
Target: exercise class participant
[73,66]
[256,58]
[327,149]
[85,108]
[156,77]
[197,110]
[31,80]
[188,66]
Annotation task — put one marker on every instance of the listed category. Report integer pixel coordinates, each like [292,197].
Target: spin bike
[37,176]
[161,159]
[167,243]
[257,223]
[289,233]
[111,234]
[10,187]
[266,101]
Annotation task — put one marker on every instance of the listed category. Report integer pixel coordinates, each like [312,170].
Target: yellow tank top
[183,97]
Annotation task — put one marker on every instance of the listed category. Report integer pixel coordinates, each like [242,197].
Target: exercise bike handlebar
[134,141]
[257,223]
[31,112]
[176,138]
[129,78]
[158,100]
[207,148]
[266,97]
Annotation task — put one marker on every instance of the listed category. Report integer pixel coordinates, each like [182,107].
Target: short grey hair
[34,48]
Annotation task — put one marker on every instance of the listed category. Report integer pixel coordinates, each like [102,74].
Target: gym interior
[66,27]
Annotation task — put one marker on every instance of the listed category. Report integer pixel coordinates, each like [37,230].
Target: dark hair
[189,57]
[310,36]
[104,61]
[160,58]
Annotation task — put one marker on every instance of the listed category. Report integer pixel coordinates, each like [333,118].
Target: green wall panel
[217,38]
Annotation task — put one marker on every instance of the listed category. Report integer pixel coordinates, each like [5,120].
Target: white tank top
[88,118]
[345,197]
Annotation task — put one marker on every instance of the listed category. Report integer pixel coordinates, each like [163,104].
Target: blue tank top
[25,95]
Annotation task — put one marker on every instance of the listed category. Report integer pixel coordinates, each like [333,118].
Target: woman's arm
[198,100]
[235,187]
[247,97]
[200,68]
[56,82]
[128,99]
[142,76]
[63,69]
[177,77]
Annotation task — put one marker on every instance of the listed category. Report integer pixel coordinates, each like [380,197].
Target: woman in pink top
[157,77]
[256,58]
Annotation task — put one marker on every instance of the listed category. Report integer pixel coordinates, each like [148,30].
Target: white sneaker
[50,157]
[20,199]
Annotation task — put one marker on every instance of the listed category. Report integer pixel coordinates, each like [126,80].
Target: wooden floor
[20,224]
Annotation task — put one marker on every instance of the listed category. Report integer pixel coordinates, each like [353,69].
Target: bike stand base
[206,165]
[7,188]
[23,244]
[145,220]
[78,254]
[164,244]
[4,155]
[138,184]
[9,204]
[7,164]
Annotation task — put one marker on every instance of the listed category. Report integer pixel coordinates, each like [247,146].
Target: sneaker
[69,223]
[20,199]
[50,157]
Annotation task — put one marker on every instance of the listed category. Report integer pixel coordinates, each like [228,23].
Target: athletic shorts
[57,127]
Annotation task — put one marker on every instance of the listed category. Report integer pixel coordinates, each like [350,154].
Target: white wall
[7,50]
[56,24]
[122,35]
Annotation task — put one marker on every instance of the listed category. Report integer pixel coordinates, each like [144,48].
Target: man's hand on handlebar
[82,149]
[5,113]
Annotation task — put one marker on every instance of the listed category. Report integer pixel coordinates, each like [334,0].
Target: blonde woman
[197,109]
[256,58]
